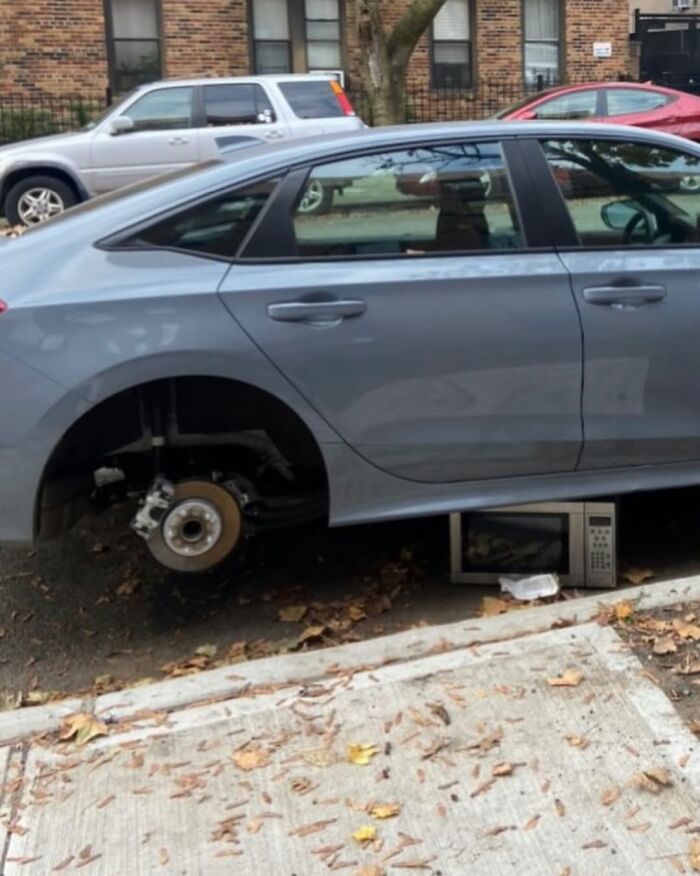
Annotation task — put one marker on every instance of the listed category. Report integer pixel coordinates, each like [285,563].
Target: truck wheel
[201,528]
[317,199]
[36,199]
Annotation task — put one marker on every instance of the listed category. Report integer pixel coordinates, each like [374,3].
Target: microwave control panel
[601,566]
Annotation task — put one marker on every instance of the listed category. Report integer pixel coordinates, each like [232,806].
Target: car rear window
[312,100]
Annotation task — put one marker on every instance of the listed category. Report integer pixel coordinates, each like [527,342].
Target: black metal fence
[22,117]
[426,104]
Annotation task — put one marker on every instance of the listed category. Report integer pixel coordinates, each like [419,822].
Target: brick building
[61,47]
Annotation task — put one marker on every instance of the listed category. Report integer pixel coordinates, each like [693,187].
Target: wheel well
[182,427]
[16,176]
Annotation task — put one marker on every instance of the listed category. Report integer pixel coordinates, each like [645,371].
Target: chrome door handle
[316,312]
[273,135]
[624,297]
[178,141]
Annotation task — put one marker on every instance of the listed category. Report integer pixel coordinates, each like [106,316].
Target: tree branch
[409,29]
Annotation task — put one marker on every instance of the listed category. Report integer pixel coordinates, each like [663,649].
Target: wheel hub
[199,530]
[39,205]
[192,528]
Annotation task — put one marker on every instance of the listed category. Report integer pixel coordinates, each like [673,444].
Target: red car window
[624,101]
[574,105]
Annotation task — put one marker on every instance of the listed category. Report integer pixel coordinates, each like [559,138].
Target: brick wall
[52,47]
[58,46]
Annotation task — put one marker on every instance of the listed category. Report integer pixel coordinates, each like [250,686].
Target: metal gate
[670,50]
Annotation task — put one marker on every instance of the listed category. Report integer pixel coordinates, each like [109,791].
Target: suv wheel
[36,199]
[317,199]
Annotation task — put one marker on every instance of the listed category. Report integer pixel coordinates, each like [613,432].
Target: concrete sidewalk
[477,763]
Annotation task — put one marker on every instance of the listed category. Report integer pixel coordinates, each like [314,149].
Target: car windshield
[93,123]
[523,102]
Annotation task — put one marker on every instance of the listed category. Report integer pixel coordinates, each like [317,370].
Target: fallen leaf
[360,754]
[594,844]
[320,757]
[494,831]
[103,680]
[311,633]
[371,870]
[653,780]
[610,796]
[250,758]
[164,857]
[694,726]
[577,742]
[206,651]
[532,823]
[570,678]
[385,810]
[292,613]
[666,645]
[502,769]
[441,712]
[637,576]
[81,727]
[365,834]
[254,825]
[559,806]
[694,855]
[37,697]
[491,605]
[686,630]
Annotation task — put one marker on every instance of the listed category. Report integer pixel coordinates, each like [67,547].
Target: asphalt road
[93,604]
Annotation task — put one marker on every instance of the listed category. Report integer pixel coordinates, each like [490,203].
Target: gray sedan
[488,314]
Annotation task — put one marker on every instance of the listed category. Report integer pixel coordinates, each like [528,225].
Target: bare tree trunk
[384,58]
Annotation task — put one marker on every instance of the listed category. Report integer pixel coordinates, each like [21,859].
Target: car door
[236,114]
[163,139]
[634,261]
[641,107]
[423,316]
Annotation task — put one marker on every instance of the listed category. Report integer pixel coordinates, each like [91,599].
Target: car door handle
[316,312]
[178,141]
[273,135]
[624,297]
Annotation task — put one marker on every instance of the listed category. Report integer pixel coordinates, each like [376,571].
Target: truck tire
[36,199]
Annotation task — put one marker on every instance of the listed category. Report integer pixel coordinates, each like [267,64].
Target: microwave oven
[574,540]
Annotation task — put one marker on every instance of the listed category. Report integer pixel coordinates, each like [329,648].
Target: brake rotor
[200,529]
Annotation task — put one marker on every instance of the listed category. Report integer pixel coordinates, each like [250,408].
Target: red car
[624,103]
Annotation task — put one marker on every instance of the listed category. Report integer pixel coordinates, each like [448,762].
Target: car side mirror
[527,116]
[618,214]
[121,125]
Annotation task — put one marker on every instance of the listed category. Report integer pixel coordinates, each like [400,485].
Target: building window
[542,35]
[296,35]
[272,48]
[452,45]
[134,45]
[322,35]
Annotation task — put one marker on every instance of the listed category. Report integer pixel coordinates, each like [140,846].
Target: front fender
[40,164]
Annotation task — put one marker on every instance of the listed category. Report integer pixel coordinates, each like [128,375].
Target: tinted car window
[216,227]
[447,198]
[577,105]
[244,104]
[630,100]
[163,110]
[621,193]
[311,100]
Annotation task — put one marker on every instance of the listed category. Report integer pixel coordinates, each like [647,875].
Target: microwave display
[574,540]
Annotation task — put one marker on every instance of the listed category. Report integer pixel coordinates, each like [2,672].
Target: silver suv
[165,126]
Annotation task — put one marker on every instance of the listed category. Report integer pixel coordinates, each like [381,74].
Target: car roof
[589,86]
[213,80]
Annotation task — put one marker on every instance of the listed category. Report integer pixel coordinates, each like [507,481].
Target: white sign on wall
[602,50]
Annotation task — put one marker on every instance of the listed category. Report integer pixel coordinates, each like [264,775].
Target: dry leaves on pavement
[365,834]
[653,780]
[81,728]
[385,810]
[570,678]
[250,758]
[360,754]
[694,855]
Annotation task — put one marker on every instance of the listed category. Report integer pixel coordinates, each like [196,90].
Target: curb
[302,669]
